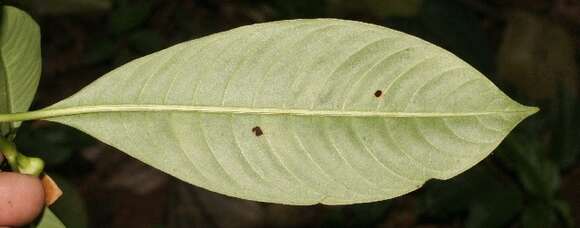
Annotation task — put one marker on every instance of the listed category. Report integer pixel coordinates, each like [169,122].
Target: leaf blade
[20,62]
[310,87]
[49,220]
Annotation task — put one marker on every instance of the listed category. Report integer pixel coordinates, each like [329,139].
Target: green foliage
[48,220]
[20,66]
[472,196]
[20,62]
[264,128]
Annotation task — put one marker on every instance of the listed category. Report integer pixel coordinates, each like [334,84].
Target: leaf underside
[49,220]
[20,62]
[299,112]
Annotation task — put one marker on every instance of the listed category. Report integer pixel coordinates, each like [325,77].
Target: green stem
[23,116]
[19,162]
[10,153]
[29,165]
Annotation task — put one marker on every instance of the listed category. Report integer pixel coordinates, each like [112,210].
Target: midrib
[81,110]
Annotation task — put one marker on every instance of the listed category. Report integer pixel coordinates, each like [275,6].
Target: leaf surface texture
[299,112]
[20,62]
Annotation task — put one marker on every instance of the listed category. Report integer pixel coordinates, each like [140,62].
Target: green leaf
[20,62]
[298,112]
[49,220]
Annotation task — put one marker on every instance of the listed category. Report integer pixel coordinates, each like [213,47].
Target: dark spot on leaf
[378,93]
[257,130]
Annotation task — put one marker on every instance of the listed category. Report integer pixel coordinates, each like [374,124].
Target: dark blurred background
[529,48]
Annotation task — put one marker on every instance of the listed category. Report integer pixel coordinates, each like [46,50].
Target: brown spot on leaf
[378,93]
[258,131]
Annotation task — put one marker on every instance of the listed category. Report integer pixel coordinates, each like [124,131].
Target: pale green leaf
[20,61]
[311,86]
[49,220]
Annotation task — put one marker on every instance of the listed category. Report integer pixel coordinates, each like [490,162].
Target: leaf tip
[532,110]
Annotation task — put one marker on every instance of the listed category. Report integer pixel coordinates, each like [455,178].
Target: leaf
[298,112]
[19,62]
[49,220]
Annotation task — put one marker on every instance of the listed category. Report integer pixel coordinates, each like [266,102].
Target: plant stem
[10,153]
[23,116]
[19,162]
